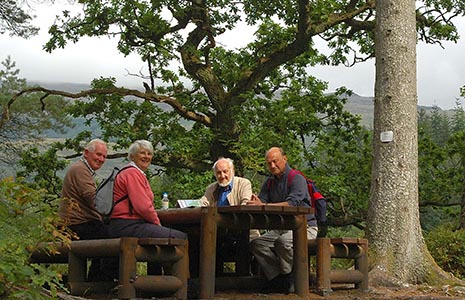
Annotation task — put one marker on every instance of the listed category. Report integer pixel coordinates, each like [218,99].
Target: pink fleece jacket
[134,183]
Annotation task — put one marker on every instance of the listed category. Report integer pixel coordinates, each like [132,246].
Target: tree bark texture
[396,241]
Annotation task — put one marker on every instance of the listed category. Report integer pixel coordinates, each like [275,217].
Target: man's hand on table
[254,200]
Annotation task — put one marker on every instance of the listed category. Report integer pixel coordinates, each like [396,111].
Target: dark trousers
[104,269]
[142,229]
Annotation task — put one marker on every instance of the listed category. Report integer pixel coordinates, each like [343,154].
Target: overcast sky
[440,72]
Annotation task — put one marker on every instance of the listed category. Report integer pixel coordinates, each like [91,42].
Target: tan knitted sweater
[78,192]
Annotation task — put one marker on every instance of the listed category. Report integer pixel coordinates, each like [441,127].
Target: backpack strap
[290,177]
[269,182]
[125,196]
[121,199]
[314,192]
[315,195]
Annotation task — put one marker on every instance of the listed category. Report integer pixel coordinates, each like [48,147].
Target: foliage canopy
[15,20]
[204,98]
[28,122]
[236,101]
[27,219]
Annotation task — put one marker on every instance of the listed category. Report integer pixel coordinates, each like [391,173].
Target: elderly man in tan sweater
[77,210]
[228,190]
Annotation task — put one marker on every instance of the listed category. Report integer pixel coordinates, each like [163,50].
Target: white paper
[189,203]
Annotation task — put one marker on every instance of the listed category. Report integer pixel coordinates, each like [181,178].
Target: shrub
[447,246]
[27,220]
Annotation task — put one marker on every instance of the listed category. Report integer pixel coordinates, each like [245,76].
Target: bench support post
[361,264]
[347,248]
[127,268]
[77,269]
[323,265]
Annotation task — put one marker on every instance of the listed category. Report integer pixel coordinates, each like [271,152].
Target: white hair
[91,145]
[136,146]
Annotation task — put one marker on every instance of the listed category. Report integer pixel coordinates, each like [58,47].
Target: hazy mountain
[356,104]
[62,86]
[361,106]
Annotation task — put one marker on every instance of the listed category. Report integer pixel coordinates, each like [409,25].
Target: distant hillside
[363,106]
[356,104]
[62,86]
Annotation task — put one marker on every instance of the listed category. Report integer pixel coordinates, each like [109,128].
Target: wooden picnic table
[243,217]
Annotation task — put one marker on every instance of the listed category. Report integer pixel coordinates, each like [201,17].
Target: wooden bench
[347,248]
[171,253]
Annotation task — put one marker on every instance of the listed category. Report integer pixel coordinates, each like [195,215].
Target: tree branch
[176,105]
[306,30]
[194,65]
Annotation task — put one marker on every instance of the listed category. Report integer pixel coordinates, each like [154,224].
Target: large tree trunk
[398,251]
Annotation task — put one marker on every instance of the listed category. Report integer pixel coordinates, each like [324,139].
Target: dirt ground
[378,293]
[341,292]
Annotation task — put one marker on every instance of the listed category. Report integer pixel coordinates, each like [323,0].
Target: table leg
[208,230]
[301,257]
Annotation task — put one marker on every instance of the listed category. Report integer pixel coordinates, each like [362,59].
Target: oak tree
[204,98]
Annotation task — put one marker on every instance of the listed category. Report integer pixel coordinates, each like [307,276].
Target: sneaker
[279,284]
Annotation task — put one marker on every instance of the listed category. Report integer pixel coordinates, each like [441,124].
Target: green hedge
[27,218]
[447,246]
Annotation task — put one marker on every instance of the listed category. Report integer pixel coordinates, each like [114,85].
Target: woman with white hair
[135,216]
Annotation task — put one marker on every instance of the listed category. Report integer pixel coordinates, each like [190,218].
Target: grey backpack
[104,194]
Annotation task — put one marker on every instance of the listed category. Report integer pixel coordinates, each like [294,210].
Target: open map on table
[189,203]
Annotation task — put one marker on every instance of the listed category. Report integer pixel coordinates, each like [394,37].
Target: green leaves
[41,168]
[447,246]
[15,20]
[208,96]
[26,220]
[30,118]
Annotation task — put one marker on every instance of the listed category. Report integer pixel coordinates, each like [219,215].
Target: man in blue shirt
[228,189]
[274,249]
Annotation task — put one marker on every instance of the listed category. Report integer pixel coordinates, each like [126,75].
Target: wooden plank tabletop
[194,214]
[292,210]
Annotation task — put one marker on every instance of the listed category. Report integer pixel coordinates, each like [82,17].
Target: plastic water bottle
[165,202]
